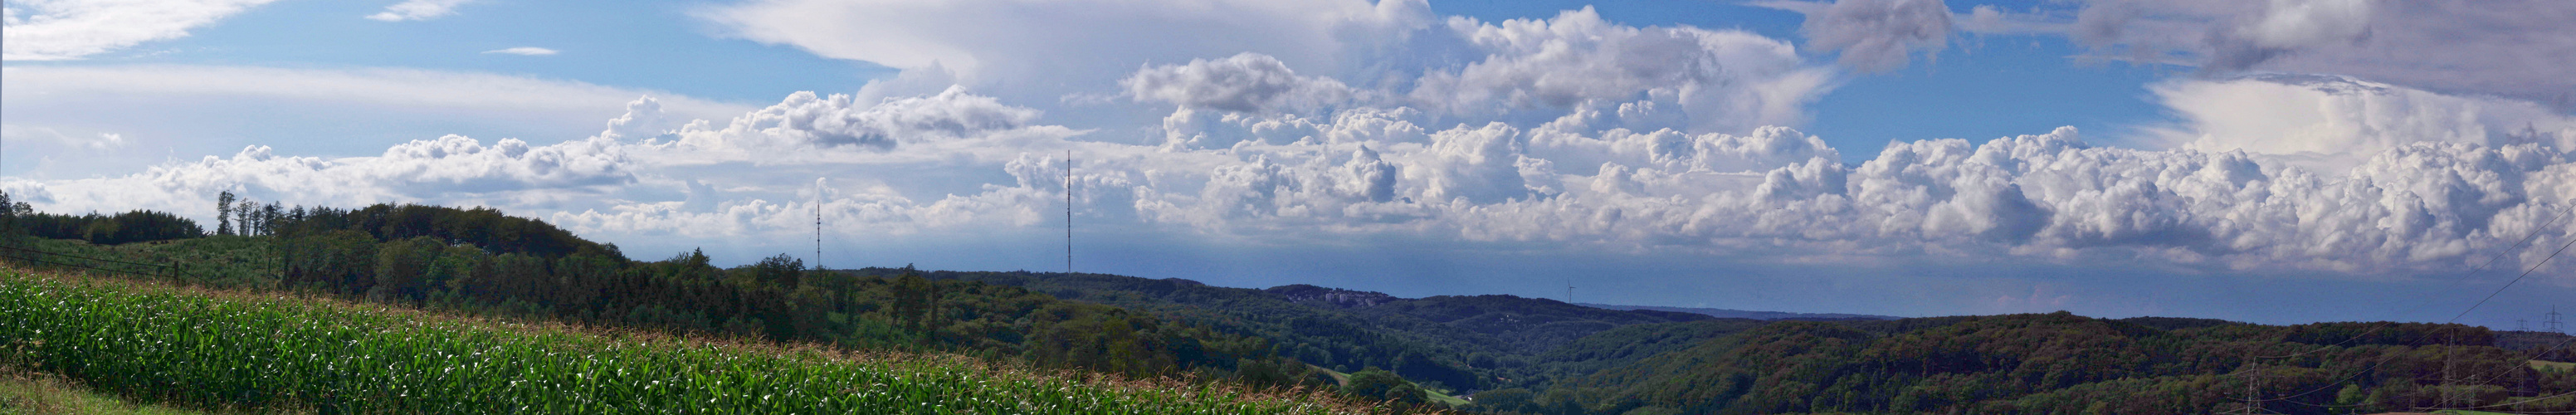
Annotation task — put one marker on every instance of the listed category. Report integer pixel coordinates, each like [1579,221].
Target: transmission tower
[2253,387]
[2552,324]
[818,224]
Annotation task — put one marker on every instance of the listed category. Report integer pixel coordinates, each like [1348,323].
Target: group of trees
[18,218]
[482,261]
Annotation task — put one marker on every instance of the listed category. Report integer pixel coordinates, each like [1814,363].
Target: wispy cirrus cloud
[524,51]
[45,30]
[201,109]
[416,10]
[2516,48]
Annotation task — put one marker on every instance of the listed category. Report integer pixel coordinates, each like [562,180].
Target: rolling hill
[1505,354]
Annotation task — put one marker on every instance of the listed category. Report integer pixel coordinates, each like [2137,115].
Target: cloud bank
[1389,54]
[2430,203]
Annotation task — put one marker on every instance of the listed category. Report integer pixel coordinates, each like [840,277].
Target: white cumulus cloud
[449,169]
[2338,121]
[806,123]
[1246,82]
[1237,56]
[1879,35]
[1715,80]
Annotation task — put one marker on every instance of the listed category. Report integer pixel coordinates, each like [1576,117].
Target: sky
[2280,161]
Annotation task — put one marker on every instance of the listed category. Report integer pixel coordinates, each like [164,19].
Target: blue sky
[2289,161]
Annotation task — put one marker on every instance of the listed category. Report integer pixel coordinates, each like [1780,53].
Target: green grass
[1344,379]
[2545,365]
[215,261]
[30,393]
[1339,378]
[212,349]
[1445,399]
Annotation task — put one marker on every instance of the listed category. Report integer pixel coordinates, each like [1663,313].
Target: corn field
[231,350]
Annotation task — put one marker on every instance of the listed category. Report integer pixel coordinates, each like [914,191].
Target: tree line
[18,218]
[2062,363]
[485,262]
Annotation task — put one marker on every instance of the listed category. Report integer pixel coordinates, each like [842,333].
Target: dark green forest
[1540,356]
[2062,363]
[1454,343]
[1510,355]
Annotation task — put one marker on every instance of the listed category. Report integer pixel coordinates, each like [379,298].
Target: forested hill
[1460,343]
[481,261]
[1511,354]
[2056,363]
[1748,314]
[1542,356]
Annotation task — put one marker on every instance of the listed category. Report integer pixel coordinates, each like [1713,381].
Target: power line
[818,223]
[2527,238]
[2517,279]
[2534,235]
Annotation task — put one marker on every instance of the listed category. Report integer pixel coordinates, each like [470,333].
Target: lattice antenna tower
[1569,291]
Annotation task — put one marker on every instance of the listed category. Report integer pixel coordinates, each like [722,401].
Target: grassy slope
[1344,379]
[164,340]
[30,393]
